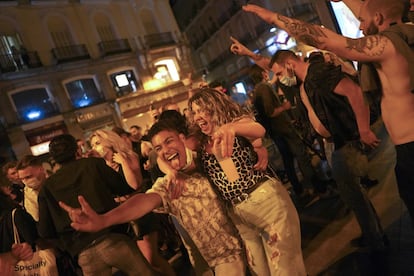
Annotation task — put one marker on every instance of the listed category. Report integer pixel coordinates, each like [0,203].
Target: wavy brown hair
[218,105]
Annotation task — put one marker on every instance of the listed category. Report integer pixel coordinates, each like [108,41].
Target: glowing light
[85,101]
[282,37]
[122,80]
[40,149]
[271,46]
[172,69]
[152,84]
[33,114]
[272,30]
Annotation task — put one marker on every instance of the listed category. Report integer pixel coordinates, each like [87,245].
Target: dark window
[83,93]
[34,104]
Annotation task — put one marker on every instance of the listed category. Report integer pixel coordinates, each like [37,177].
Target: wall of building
[34,21]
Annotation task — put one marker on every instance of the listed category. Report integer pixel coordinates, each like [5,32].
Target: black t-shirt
[265,101]
[333,110]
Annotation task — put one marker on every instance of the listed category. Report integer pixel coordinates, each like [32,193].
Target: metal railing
[159,39]
[112,47]
[24,61]
[70,53]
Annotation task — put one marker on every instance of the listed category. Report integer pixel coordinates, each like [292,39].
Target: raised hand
[237,48]
[119,158]
[263,13]
[224,139]
[84,219]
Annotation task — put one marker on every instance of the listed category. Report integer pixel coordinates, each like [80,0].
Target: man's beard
[371,29]
[410,16]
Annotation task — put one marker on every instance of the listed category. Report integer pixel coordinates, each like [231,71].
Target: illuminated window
[167,70]
[124,82]
[83,92]
[162,74]
[33,104]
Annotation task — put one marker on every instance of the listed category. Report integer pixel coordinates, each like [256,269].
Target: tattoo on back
[309,34]
[370,45]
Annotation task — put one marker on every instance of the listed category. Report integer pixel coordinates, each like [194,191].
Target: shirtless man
[394,62]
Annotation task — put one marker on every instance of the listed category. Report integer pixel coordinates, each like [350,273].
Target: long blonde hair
[112,140]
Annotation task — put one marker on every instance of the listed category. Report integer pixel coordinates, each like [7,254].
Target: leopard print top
[244,157]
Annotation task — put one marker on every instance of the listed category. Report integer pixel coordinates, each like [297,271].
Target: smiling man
[32,174]
[198,209]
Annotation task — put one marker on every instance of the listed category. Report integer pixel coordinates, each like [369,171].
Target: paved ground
[326,238]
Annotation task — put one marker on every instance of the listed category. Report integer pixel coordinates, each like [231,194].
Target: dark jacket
[93,179]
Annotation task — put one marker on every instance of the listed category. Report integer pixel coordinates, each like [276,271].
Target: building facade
[208,26]
[74,66]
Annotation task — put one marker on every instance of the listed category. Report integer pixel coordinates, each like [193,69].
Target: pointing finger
[65,207]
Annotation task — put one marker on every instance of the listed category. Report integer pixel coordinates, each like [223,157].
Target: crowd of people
[207,175]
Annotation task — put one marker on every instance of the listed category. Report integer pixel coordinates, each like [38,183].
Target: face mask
[33,183]
[411,16]
[270,75]
[189,156]
[288,81]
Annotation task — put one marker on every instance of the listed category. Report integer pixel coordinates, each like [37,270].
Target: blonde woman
[119,155]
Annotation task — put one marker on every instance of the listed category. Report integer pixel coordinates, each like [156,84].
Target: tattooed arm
[369,48]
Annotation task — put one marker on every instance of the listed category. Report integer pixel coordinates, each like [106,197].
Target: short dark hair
[136,127]
[63,148]
[161,126]
[281,56]
[120,131]
[215,84]
[316,57]
[27,161]
[176,119]
[256,73]
[9,165]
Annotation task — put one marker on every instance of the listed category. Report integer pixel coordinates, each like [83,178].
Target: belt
[245,194]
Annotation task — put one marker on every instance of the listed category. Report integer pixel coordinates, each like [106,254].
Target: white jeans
[230,269]
[269,226]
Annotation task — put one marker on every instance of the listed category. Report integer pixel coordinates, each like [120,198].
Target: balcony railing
[10,63]
[33,60]
[70,53]
[159,40]
[112,47]
[7,63]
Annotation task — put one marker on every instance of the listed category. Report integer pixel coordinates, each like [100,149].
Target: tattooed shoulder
[372,45]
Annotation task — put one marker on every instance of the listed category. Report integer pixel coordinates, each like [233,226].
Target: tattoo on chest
[370,45]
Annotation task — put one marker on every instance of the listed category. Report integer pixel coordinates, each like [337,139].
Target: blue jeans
[115,250]
[269,226]
[349,164]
